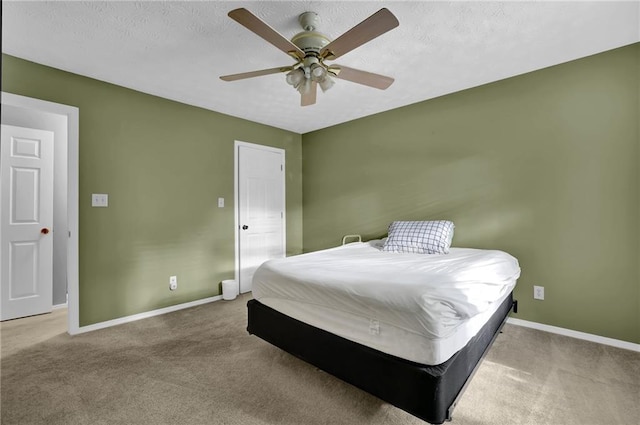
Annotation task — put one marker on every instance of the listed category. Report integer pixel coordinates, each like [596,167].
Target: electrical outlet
[538,292]
[173,283]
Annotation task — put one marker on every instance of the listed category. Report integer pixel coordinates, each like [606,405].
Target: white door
[261,207]
[26,218]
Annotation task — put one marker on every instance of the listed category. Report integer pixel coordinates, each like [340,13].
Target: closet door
[260,209]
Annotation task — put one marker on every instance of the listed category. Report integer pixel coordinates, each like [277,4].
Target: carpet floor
[199,366]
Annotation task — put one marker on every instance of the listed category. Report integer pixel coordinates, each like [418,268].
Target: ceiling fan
[310,49]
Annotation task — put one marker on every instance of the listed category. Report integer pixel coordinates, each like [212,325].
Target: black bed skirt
[427,392]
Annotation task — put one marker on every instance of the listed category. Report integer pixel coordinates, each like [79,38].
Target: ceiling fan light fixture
[296,77]
[326,83]
[304,87]
[318,73]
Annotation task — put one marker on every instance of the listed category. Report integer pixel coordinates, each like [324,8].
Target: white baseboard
[145,315]
[575,334]
[58,306]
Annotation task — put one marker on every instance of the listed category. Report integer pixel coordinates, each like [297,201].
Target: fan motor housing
[310,41]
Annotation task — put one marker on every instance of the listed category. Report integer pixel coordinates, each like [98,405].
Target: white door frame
[236,199]
[72,115]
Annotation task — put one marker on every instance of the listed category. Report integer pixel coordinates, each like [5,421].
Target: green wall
[543,166]
[163,164]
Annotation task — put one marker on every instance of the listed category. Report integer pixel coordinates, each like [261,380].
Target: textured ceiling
[177,50]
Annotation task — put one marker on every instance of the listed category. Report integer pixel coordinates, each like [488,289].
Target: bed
[408,328]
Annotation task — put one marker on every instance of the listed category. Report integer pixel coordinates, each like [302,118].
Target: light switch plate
[220,202]
[99,200]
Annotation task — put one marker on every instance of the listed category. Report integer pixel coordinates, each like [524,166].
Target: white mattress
[420,307]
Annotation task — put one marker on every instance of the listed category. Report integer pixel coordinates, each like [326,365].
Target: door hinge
[281,167]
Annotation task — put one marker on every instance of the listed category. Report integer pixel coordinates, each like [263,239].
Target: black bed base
[427,392]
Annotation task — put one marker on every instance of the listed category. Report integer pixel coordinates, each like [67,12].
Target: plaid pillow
[420,237]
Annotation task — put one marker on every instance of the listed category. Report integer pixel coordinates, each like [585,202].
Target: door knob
[44,231]
[245,227]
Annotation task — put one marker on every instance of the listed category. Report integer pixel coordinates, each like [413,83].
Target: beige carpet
[199,366]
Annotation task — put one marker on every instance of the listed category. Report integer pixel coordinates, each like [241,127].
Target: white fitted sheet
[420,307]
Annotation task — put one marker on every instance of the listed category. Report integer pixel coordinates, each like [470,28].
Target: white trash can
[229,289]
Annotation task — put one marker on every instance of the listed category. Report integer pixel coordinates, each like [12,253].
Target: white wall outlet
[538,292]
[99,200]
[173,283]
[220,202]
